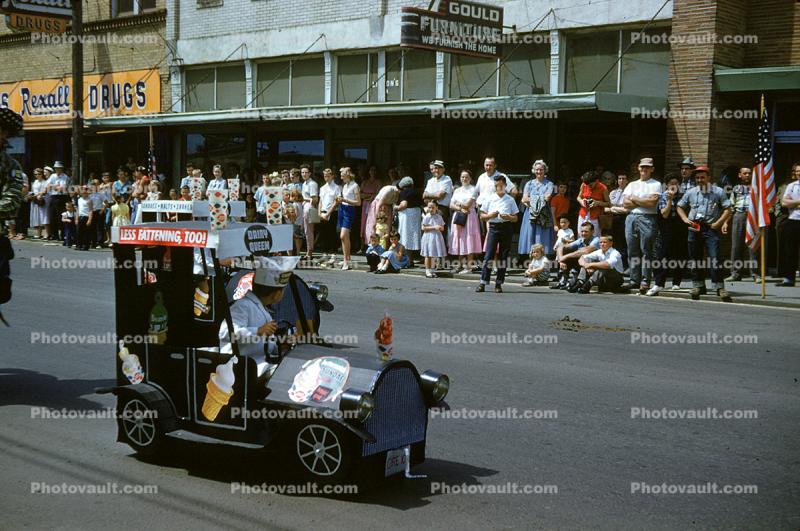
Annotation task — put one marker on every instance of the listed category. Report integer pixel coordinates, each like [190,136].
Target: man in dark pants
[11,184]
[709,209]
[743,258]
[58,186]
[500,211]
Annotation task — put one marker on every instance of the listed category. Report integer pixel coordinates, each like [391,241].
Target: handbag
[460,219]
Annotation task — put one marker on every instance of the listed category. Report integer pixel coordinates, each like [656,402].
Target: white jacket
[248,315]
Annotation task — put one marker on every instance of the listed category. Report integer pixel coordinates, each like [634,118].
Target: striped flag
[151,165]
[762,189]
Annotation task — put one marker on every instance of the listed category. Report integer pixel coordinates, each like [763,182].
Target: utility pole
[77,92]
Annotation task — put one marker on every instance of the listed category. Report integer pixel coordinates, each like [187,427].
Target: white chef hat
[274,271]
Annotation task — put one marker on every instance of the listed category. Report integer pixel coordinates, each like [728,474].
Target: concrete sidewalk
[742,292]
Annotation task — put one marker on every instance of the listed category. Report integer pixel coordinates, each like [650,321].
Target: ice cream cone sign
[219,389]
[384,337]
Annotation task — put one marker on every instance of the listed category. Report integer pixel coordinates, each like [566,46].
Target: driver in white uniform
[253,326]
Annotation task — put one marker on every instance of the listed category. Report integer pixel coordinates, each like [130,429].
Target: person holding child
[432,246]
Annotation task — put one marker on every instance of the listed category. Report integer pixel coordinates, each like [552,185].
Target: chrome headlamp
[435,386]
[356,405]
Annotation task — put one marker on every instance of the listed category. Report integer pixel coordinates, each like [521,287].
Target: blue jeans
[499,233]
[697,240]
[640,235]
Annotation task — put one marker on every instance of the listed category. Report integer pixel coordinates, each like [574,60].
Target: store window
[308,81]
[394,73]
[527,70]
[472,77]
[123,8]
[230,87]
[351,78]
[206,149]
[207,89]
[645,64]
[272,84]
[419,75]
[589,57]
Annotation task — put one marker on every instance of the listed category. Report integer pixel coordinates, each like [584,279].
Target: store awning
[756,79]
[484,108]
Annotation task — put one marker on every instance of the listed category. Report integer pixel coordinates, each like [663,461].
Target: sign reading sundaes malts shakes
[48,102]
[467,28]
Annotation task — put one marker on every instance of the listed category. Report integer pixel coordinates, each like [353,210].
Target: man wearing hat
[686,167]
[641,226]
[11,184]
[253,326]
[440,189]
[709,210]
[57,197]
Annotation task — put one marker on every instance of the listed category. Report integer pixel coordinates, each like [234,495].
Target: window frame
[214,67]
[291,60]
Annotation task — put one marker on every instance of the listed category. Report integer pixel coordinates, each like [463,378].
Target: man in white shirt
[310,191]
[85,216]
[328,213]
[58,194]
[641,226]
[440,189]
[260,198]
[602,268]
[485,186]
[499,211]
[188,179]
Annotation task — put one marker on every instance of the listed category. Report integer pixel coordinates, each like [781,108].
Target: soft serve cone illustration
[220,389]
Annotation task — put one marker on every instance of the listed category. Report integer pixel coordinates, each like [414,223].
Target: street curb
[517,273]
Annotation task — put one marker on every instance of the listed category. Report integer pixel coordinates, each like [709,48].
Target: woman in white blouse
[38,209]
[347,202]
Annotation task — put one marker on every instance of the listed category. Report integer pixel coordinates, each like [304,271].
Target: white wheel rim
[319,450]
[137,421]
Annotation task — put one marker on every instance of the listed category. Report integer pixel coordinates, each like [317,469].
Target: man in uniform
[253,326]
[709,210]
[11,184]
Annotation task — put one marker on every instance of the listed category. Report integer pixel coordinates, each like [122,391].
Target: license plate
[396,461]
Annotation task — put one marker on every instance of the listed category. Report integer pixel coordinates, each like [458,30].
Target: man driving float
[253,326]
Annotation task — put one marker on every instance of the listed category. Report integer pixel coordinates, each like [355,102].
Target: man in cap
[686,167]
[709,210]
[439,188]
[11,184]
[499,211]
[253,326]
[743,258]
[58,195]
[641,226]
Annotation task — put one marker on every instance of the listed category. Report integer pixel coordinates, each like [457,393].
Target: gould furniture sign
[452,26]
[47,103]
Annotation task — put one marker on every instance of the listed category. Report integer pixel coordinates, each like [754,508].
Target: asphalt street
[611,469]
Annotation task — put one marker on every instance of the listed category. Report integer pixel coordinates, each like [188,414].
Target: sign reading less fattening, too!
[467,28]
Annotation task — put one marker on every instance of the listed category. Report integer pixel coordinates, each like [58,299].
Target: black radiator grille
[400,415]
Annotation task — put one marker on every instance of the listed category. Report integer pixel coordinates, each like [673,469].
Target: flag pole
[762,239]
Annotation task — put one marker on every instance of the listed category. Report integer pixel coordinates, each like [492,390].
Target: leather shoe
[696,292]
[724,295]
[480,289]
[785,284]
[498,288]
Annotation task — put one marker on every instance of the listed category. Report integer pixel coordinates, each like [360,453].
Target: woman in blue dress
[537,218]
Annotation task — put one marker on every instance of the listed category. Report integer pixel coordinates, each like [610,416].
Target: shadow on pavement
[24,387]
[263,469]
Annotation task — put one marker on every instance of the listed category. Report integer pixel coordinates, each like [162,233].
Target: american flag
[151,164]
[762,189]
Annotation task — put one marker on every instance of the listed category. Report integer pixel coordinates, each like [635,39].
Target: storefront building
[125,73]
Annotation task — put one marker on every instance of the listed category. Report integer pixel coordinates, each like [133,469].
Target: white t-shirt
[792,193]
[349,190]
[564,235]
[484,187]
[310,189]
[611,256]
[502,205]
[85,207]
[537,263]
[442,184]
[641,190]
[327,195]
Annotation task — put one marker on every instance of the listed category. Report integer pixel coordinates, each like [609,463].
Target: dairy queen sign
[453,26]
